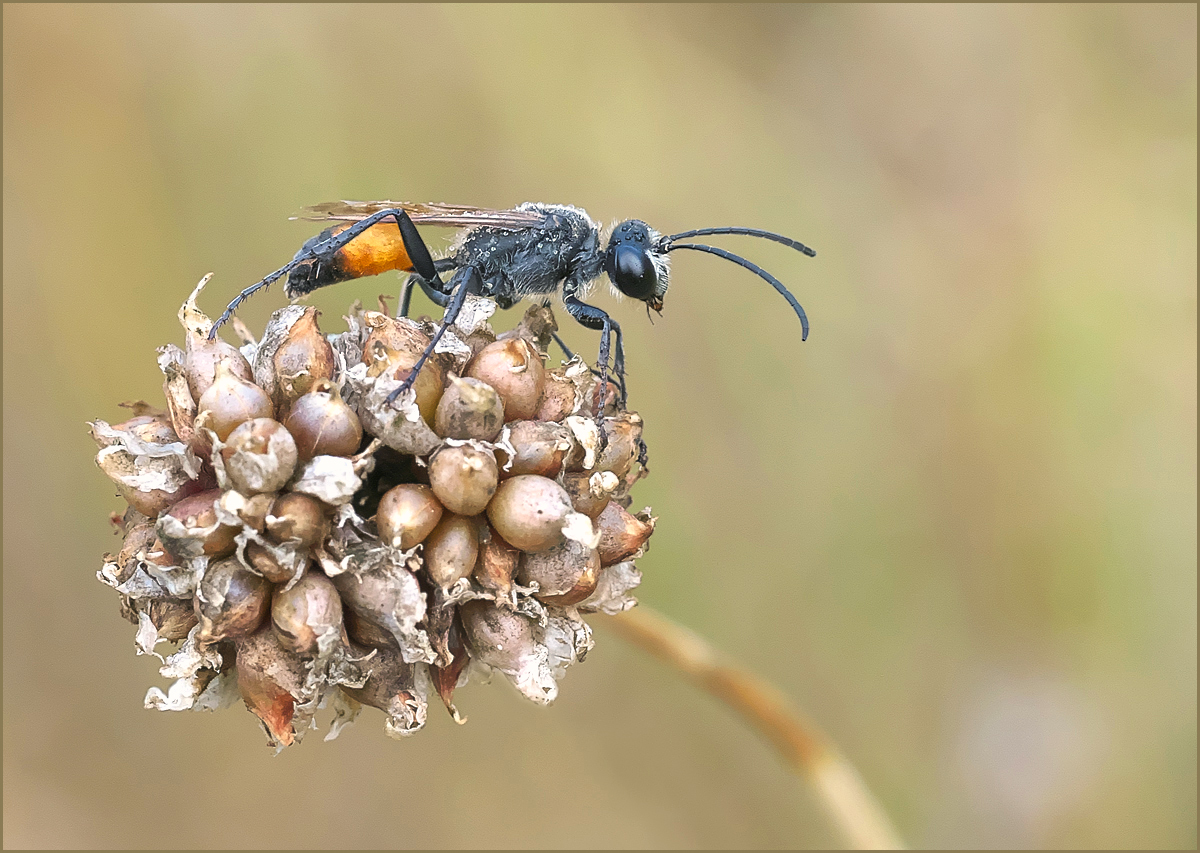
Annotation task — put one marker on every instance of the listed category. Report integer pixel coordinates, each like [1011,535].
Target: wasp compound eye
[632,270]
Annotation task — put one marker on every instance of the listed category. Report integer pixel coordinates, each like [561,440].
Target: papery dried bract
[504,640]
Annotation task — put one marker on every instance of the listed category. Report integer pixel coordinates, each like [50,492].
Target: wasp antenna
[749,232]
[757,270]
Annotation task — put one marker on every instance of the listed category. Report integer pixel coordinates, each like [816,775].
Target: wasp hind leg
[436,296]
[318,250]
[466,280]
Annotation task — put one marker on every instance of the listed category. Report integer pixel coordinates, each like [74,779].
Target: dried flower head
[310,546]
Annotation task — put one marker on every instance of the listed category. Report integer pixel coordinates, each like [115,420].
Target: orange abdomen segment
[376,250]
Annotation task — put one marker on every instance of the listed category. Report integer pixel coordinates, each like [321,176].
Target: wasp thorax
[469,408]
[303,358]
[322,424]
[231,401]
[407,514]
[514,369]
[464,478]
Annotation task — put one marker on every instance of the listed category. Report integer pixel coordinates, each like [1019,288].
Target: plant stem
[801,743]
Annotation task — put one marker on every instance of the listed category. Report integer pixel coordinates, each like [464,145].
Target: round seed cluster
[312,546]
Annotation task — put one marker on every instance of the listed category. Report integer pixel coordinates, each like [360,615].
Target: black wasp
[530,251]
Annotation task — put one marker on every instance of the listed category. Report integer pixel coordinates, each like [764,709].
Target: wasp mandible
[531,251]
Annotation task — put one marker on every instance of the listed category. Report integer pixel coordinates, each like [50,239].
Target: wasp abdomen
[376,250]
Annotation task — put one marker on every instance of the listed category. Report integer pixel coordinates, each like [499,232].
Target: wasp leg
[465,281]
[438,298]
[418,255]
[405,298]
[570,355]
[594,318]
[250,291]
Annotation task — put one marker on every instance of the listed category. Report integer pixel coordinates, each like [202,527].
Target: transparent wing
[431,213]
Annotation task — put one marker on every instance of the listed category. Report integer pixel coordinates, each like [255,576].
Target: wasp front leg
[595,318]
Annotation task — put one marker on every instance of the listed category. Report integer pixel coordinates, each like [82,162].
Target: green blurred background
[958,525]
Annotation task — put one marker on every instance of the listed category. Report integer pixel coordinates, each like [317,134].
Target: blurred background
[957,525]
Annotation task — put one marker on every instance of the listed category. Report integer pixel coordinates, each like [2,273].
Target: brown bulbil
[307,611]
[621,534]
[252,510]
[260,456]
[590,492]
[407,514]
[231,401]
[541,449]
[537,326]
[155,429]
[430,382]
[558,396]
[464,478]
[621,449]
[565,575]
[322,424]
[608,404]
[394,346]
[367,632]
[391,686]
[303,358]
[269,678]
[152,502]
[452,549]
[497,564]
[469,408]
[231,601]
[390,601]
[173,618]
[399,336]
[514,369]
[529,512]
[263,561]
[198,512]
[139,541]
[297,516]
[201,357]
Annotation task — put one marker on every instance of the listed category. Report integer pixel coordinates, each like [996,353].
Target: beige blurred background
[957,525]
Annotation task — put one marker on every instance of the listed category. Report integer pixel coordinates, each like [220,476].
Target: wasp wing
[430,213]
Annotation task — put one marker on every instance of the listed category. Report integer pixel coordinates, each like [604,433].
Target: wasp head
[635,263]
